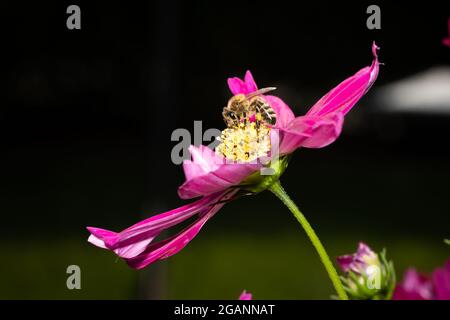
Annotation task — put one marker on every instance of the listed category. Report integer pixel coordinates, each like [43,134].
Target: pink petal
[364,252]
[345,262]
[357,262]
[168,247]
[208,173]
[135,239]
[250,82]
[446,41]
[401,294]
[441,281]
[324,130]
[204,160]
[237,86]
[99,236]
[344,96]
[311,132]
[245,296]
[291,138]
[414,287]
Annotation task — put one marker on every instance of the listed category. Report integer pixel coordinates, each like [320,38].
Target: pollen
[245,142]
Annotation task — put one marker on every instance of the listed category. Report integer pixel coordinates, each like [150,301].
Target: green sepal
[257,182]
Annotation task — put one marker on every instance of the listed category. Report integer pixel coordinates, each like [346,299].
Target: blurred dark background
[87,115]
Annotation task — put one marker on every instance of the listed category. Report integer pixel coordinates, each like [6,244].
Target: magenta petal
[132,249]
[204,160]
[208,173]
[414,287]
[237,86]
[224,177]
[99,236]
[446,41]
[401,294]
[359,261]
[345,262]
[325,130]
[344,96]
[168,247]
[364,250]
[311,132]
[418,287]
[250,82]
[245,296]
[292,137]
[135,239]
[441,281]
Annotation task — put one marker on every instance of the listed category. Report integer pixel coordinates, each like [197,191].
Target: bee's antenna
[260,91]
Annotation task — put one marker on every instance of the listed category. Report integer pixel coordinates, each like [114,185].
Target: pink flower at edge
[416,286]
[245,296]
[446,41]
[209,177]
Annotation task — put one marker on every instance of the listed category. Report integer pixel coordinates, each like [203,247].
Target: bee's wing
[261,106]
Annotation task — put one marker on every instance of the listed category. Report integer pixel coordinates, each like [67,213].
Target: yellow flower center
[245,142]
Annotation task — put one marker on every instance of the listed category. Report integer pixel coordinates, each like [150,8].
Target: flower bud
[368,276]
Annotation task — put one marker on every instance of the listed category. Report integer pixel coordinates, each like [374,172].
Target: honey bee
[241,108]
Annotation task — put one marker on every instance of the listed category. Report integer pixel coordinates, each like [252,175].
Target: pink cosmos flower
[446,41]
[210,176]
[416,286]
[208,173]
[245,296]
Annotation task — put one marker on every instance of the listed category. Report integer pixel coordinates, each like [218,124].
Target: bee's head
[228,114]
[235,109]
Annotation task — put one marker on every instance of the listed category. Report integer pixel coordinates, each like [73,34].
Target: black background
[87,114]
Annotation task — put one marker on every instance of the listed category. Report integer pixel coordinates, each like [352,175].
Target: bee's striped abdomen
[261,107]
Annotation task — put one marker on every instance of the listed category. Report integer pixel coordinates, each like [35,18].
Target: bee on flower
[262,132]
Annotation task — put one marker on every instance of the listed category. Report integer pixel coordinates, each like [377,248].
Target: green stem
[278,190]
